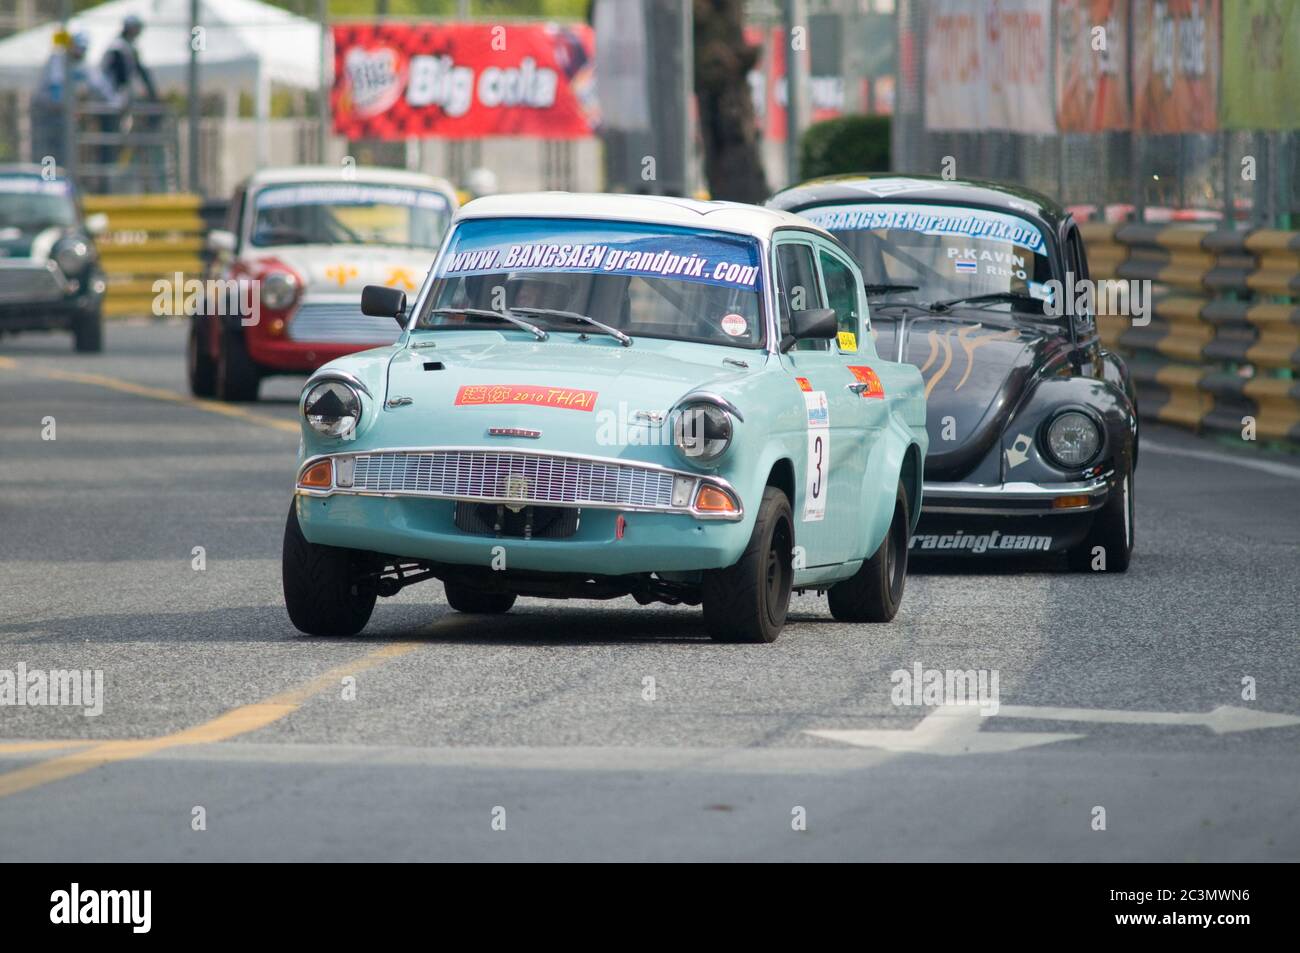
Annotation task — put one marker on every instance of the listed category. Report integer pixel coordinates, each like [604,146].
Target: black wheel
[237,377]
[88,332]
[476,601]
[1112,531]
[199,363]
[875,591]
[747,601]
[322,587]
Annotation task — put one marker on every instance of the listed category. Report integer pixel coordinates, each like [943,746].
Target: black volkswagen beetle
[1033,424]
[50,276]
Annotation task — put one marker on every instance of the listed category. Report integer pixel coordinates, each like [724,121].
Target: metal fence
[1113,176]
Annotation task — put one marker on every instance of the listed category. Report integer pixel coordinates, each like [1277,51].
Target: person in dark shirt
[121,64]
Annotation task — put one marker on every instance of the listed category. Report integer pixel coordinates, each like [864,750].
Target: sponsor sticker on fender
[567,398]
[865,375]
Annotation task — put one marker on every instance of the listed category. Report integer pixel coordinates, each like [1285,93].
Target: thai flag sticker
[966,266]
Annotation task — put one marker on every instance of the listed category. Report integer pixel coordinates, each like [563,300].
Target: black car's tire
[476,601]
[321,587]
[1112,530]
[747,601]
[88,331]
[236,377]
[875,591]
[202,369]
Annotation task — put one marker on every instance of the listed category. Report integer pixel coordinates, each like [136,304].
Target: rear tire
[476,601]
[1112,530]
[237,377]
[199,363]
[88,332]
[322,587]
[748,601]
[875,591]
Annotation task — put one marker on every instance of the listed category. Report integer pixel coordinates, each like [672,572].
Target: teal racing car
[597,396]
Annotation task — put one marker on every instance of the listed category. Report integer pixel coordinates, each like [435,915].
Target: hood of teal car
[583,396]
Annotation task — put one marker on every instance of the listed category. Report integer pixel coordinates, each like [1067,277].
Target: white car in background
[301,243]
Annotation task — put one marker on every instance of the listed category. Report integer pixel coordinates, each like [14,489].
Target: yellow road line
[153,393]
[235,722]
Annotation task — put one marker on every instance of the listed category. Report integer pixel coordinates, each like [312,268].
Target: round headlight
[279,288]
[1073,440]
[72,255]
[702,432]
[332,408]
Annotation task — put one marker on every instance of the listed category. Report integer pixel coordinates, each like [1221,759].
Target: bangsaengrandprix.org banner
[986,66]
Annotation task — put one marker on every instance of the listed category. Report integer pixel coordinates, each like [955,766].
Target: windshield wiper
[992,297]
[623,339]
[881,289]
[485,313]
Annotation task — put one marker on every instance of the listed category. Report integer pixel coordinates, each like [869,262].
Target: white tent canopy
[242,38]
[248,46]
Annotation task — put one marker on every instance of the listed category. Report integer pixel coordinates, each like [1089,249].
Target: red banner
[463,81]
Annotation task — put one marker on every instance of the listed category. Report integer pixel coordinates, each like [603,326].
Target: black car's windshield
[940,253]
[30,203]
[334,213]
[623,279]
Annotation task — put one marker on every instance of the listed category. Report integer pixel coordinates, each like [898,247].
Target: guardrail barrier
[1223,340]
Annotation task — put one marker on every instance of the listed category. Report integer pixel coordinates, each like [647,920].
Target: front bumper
[1016,499]
[631,517]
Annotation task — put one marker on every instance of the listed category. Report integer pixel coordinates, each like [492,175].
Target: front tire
[748,601]
[875,591]
[323,589]
[237,377]
[476,601]
[1112,532]
[199,363]
[88,332]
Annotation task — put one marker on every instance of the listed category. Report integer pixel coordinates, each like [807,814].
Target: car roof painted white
[655,209]
[369,175]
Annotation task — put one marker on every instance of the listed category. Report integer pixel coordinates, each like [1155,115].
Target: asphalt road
[212,700]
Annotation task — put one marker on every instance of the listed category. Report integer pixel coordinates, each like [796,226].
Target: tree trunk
[722,63]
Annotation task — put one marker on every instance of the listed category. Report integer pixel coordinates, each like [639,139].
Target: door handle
[858,388]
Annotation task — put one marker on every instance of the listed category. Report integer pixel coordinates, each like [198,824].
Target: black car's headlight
[1073,439]
[332,408]
[702,432]
[72,255]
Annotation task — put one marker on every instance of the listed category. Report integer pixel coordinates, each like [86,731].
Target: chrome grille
[340,322]
[501,475]
[29,282]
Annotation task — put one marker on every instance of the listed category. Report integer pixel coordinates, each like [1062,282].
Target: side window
[797,273]
[1076,261]
[841,292]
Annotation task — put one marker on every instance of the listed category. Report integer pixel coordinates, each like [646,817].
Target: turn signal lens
[319,476]
[1069,502]
[710,499]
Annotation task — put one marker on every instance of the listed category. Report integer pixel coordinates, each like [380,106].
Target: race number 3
[817,478]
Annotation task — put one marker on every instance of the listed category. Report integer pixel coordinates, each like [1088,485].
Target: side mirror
[96,224]
[381,302]
[222,242]
[819,324]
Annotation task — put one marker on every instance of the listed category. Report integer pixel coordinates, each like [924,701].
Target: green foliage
[845,144]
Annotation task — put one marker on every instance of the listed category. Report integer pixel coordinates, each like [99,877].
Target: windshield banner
[344,193]
[33,185]
[930,220]
[709,259]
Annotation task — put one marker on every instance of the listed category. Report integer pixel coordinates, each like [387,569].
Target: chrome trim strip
[982,499]
[696,478]
[708,397]
[343,376]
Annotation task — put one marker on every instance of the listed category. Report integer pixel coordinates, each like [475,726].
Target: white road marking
[946,730]
[1221,721]
[1263,466]
[955,729]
